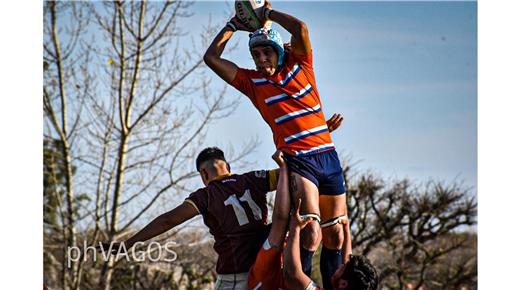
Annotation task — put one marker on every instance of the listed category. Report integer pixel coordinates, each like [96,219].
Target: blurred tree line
[417,236]
[127,105]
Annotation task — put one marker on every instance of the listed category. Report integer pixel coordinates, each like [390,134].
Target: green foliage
[207,279]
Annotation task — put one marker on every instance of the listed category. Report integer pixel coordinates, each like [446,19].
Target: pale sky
[403,74]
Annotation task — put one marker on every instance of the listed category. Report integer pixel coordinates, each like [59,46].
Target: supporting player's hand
[296,219]
[278,158]
[334,122]
[239,25]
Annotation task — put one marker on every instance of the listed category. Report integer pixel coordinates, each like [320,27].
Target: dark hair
[210,153]
[360,274]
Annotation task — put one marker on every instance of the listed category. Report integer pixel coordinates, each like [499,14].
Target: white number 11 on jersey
[240,212]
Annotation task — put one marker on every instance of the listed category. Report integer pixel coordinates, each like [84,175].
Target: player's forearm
[282,204]
[293,25]
[291,256]
[347,241]
[293,273]
[281,209]
[156,227]
[216,48]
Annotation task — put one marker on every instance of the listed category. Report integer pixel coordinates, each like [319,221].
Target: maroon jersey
[234,208]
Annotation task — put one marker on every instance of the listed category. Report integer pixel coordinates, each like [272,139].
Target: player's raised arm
[347,241]
[160,224]
[293,273]
[224,68]
[282,204]
[300,41]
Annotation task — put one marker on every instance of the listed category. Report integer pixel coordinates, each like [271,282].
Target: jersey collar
[220,177]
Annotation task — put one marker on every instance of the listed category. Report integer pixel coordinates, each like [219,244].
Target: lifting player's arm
[224,68]
[160,224]
[300,42]
[282,204]
[293,273]
[347,241]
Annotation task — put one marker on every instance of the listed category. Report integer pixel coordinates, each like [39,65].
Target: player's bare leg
[332,207]
[303,188]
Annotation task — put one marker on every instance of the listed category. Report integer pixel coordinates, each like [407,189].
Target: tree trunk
[62,130]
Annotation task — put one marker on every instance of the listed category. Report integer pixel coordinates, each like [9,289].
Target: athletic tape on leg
[311,216]
[333,221]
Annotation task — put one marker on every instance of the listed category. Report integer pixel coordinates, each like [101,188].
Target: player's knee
[333,236]
[311,236]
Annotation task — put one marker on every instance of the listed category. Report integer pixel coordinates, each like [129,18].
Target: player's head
[358,274]
[211,163]
[267,49]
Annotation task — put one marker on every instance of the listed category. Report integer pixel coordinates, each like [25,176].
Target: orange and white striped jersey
[290,103]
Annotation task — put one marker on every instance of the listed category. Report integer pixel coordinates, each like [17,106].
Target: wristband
[231,26]
[267,13]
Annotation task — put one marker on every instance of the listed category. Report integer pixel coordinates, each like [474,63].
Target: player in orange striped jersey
[283,89]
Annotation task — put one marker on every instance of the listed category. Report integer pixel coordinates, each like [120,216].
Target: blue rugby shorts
[323,169]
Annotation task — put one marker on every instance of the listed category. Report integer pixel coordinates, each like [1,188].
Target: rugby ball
[249,12]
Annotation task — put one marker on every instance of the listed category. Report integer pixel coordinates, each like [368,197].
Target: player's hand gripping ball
[250,12]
